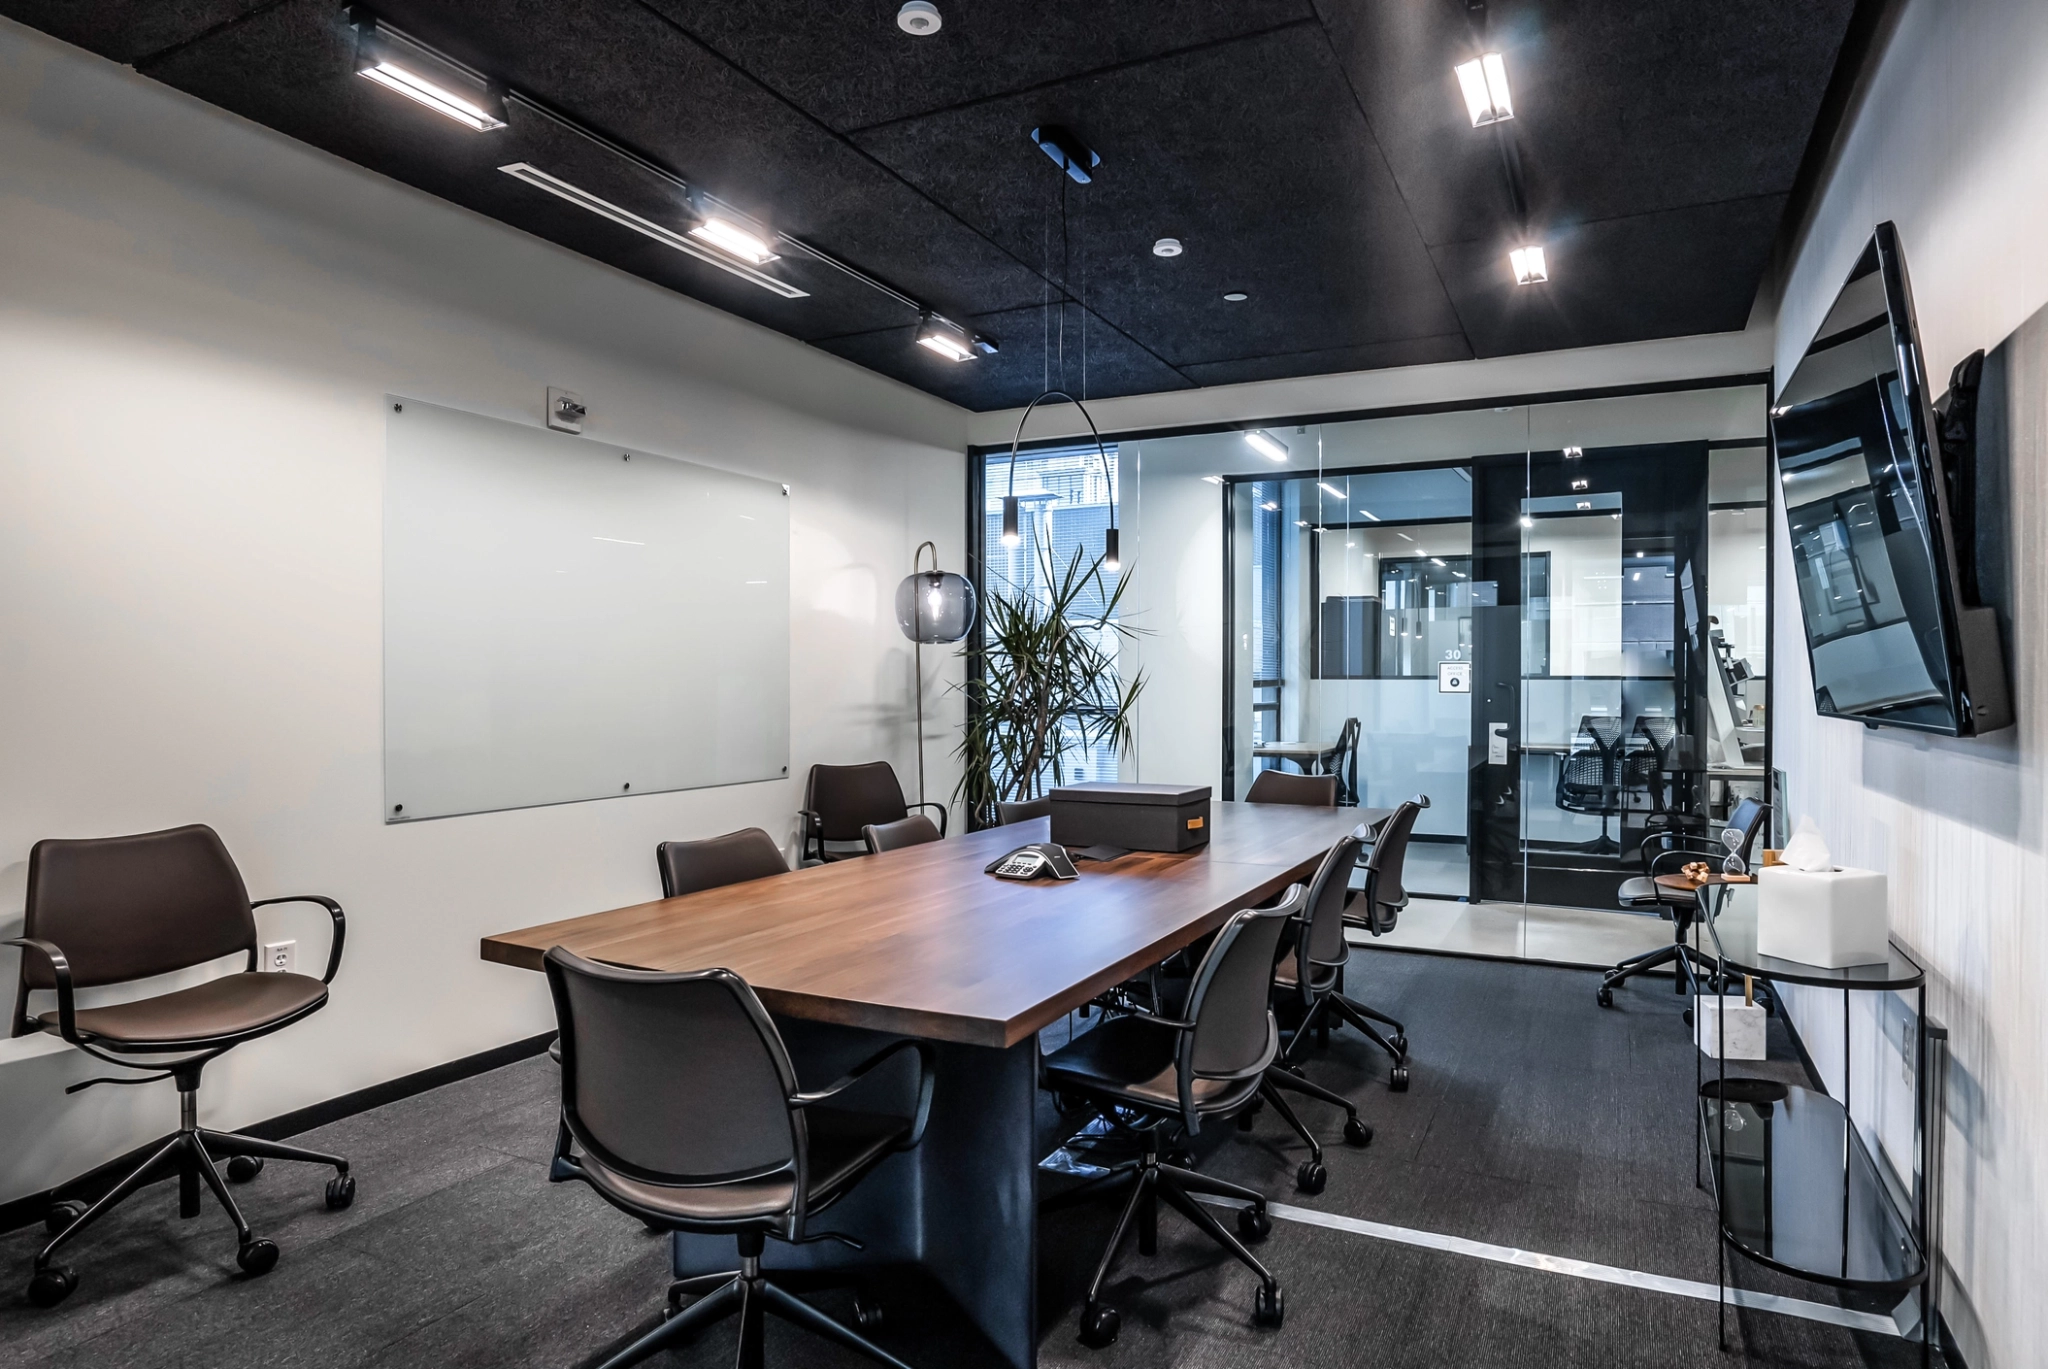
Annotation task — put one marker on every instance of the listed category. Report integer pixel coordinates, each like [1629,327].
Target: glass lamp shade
[935,606]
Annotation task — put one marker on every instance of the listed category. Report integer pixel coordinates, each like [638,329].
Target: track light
[409,69]
[1266,444]
[1528,265]
[950,340]
[1011,533]
[1484,81]
[729,237]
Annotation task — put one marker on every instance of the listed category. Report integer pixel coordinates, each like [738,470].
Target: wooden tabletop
[920,942]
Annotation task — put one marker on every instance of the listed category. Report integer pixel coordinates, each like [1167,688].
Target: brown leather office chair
[915,830]
[681,1108]
[688,866]
[1284,786]
[839,800]
[1147,1073]
[118,909]
[1023,810]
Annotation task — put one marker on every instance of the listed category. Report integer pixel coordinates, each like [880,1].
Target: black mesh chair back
[1605,732]
[1007,813]
[1747,818]
[688,866]
[125,908]
[1320,949]
[674,1079]
[1284,786]
[1659,732]
[915,830]
[847,798]
[1344,765]
[1385,894]
[1589,781]
[1234,1035]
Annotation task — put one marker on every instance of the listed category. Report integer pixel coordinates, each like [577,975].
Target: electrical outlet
[281,957]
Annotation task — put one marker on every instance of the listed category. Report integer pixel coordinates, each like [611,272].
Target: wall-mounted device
[565,410]
[1880,546]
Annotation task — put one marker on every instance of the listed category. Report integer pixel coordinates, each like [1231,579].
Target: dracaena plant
[1048,677]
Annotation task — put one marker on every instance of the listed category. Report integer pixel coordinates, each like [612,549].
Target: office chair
[1309,972]
[681,1108]
[1343,764]
[1146,1073]
[1675,850]
[1024,811]
[1283,786]
[915,830]
[689,866]
[839,800]
[114,910]
[1589,779]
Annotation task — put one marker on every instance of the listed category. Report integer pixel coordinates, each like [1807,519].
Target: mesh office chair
[1023,811]
[116,910]
[1589,778]
[1666,853]
[1284,786]
[1148,1073]
[839,800]
[915,830]
[681,1108]
[689,866]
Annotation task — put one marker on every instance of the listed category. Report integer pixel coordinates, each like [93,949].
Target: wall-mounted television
[1875,544]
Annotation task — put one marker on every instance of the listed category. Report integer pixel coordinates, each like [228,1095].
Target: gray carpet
[1535,1120]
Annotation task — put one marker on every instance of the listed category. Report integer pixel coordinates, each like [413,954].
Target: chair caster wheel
[52,1285]
[1311,1177]
[1253,1224]
[1269,1309]
[1400,1043]
[257,1257]
[1099,1325]
[243,1168]
[1687,1015]
[1606,996]
[341,1191]
[1357,1133]
[1398,1079]
[62,1215]
[1180,1158]
[868,1313]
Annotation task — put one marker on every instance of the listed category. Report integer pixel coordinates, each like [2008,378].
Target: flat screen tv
[1875,550]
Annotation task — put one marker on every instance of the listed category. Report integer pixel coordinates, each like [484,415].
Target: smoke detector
[919,18]
[1166,247]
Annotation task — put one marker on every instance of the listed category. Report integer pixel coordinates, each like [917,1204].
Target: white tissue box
[1829,918]
[1745,1028]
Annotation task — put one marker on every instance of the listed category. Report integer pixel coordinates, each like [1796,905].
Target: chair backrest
[1320,950]
[1606,732]
[673,1078]
[1346,764]
[687,866]
[124,908]
[1384,892]
[1748,819]
[847,798]
[915,830]
[1659,731]
[1007,813]
[1282,786]
[1229,1000]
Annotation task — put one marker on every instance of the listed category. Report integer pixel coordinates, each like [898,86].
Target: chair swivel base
[1313,1176]
[1358,1015]
[1152,1180]
[189,1153]
[747,1294]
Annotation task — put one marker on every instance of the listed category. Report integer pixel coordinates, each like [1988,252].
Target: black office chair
[839,800]
[1666,853]
[689,866]
[1284,786]
[1024,811]
[1148,1073]
[681,1108]
[915,830]
[1311,973]
[116,910]
[1589,778]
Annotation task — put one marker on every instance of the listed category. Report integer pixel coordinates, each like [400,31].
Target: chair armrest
[333,911]
[1678,858]
[60,970]
[1176,1023]
[813,830]
[925,1076]
[941,811]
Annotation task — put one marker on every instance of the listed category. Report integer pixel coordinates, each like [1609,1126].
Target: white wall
[1950,141]
[198,318]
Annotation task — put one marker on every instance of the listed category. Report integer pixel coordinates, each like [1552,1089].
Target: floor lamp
[931,606]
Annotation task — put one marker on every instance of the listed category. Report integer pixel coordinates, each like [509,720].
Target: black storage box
[1133,817]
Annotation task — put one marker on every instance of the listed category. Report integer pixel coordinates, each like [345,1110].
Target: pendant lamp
[1012,531]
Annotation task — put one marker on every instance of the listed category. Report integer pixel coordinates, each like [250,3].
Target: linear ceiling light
[731,238]
[1329,489]
[1368,513]
[1485,83]
[1529,266]
[950,340]
[668,237]
[445,87]
[1266,444]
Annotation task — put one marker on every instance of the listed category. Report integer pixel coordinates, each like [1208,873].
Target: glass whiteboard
[566,620]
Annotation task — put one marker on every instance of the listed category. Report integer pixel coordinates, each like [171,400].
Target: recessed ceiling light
[1585,504]
[1436,560]
[1236,296]
[1266,444]
[1639,556]
[1578,484]
[730,237]
[1404,537]
[1167,247]
[1302,523]
[919,18]
[1528,264]
[1368,513]
[418,74]
[1329,489]
[1573,453]
[1485,84]
[1271,506]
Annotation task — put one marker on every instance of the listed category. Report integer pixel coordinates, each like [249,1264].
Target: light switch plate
[565,410]
[280,957]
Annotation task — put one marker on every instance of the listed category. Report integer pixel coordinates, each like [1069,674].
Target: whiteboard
[567,620]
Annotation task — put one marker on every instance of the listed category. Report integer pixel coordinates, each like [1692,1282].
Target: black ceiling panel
[1313,154]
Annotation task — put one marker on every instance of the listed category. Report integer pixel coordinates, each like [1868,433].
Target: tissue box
[1829,918]
[1745,1028]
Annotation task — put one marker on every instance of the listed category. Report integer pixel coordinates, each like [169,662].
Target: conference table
[920,942]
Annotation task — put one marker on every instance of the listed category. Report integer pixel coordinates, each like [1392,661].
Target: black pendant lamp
[1111,560]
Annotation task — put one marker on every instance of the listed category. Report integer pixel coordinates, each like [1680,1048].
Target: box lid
[1151,795]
